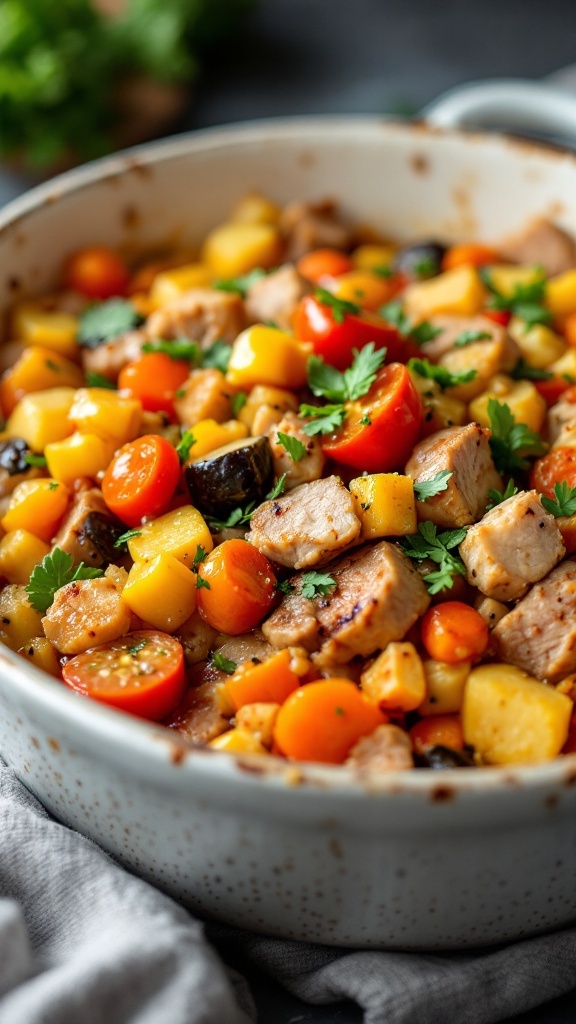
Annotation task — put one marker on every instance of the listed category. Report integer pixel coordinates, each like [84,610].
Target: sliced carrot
[141,479]
[437,731]
[454,632]
[154,378]
[235,587]
[472,254]
[268,682]
[322,721]
[324,263]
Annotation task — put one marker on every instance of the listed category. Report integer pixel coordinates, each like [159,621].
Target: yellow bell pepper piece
[561,294]
[523,399]
[52,329]
[265,355]
[361,287]
[171,284]
[178,533]
[396,679]
[385,505]
[20,551]
[37,506]
[38,369]
[162,592]
[108,414]
[209,435]
[235,248]
[373,257]
[42,417]
[459,291]
[78,455]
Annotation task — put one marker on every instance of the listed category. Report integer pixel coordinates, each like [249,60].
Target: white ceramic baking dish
[422,859]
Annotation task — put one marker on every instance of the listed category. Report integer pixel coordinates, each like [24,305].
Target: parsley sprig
[326,381]
[296,449]
[184,445]
[420,333]
[425,489]
[511,442]
[224,664]
[427,543]
[523,371]
[497,497]
[526,301]
[105,321]
[176,348]
[439,374]
[340,307]
[242,284]
[242,516]
[564,501]
[468,337]
[317,584]
[55,571]
[217,355]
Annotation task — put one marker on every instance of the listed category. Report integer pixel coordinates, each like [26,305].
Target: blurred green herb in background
[62,63]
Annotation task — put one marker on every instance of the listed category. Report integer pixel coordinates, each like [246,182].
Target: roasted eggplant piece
[14,465]
[231,477]
[420,261]
[442,758]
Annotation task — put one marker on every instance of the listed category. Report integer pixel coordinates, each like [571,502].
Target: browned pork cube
[201,314]
[275,297]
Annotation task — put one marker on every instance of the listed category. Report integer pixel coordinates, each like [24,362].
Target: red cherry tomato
[552,469]
[380,429]
[335,336]
[142,673]
[141,479]
[498,316]
[553,389]
[154,378]
[98,272]
[323,263]
[454,632]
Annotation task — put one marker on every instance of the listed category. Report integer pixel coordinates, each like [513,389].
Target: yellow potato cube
[40,652]
[238,741]
[258,719]
[107,414]
[508,277]
[459,291]
[561,294]
[566,364]
[395,679]
[78,455]
[171,284]
[19,621]
[524,400]
[237,247]
[385,505]
[38,506]
[20,551]
[209,435]
[178,533]
[444,687]
[539,345]
[373,257]
[265,355]
[510,718]
[255,209]
[42,417]
[162,592]
[52,329]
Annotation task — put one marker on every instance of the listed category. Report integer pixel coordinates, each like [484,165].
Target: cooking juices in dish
[305,493]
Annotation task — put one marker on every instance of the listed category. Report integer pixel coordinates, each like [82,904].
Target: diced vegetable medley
[305,492]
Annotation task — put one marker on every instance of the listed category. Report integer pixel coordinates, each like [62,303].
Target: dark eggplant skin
[100,533]
[13,454]
[231,477]
[420,261]
[443,758]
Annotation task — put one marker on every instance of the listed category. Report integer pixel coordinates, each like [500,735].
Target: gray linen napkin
[82,941]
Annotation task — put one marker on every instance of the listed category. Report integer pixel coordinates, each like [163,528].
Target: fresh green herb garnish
[183,448]
[497,497]
[325,418]
[441,376]
[177,348]
[51,365]
[365,421]
[242,516]
[137,647]
[526,301]
[224,664]
[522,371]
[284,587]
[295,448]
[468,337]
[238,402]
[340,307]
[420,333]
[327,382]
[105,321]
[383,270]
[564,501]
[98,380]
[200,556]
[55,571]
[201,582]
[241,284]
[429,488]
[123,539]
[53,485]
[426,267]
[437,547]
[217,355]
[317,584]
[511,442]
[278,489]
[35,460]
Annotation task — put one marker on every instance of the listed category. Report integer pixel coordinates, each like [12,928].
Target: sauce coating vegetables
[304,495]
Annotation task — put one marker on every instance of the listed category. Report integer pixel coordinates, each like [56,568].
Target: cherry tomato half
[334,337]
[380,429]
[141,479]
[142,673]
[235,587]
[154,378]
[98,272]
[453,632]
[498,316]
[553,389]
[552,469]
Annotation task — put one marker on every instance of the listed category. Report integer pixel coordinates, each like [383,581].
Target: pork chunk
[387,749]
[84,614]
[514,545]
[378,596]
[453,327]
[308,526]
[308,226]
[465,452]
[539,634]
[561,419]
[276,296]
[201,314]
[309,467]
[109,358]
[205,395]
[205,711]
[543,244]
[89,532]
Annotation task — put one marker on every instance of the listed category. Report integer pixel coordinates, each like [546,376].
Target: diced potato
[361,287]
[258,719]
[510,718]
[444,687]
[385,505]
[38,506]
[205,395]
[108,414]
[19,621]
[395,679]
[565,365]
[279,399]
[508,277]
[255,209]
[539,345]
[441,409]
[20,551]
[486,358]
[238,247]
[40,652]
[524,400]
[238,741]
[54,329]
[178,533]
[42,417]
[561,294]
[78,455]
[490,609]
[37,369]
[162,592]
[209,435]
[171,284]
[265,355]
[459,291]
[373,257]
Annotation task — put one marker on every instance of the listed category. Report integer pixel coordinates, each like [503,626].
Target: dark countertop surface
[370,56]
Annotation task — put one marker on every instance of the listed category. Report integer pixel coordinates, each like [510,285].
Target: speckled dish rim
[163,750]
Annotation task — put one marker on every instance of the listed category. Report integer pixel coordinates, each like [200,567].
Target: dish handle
[507,104]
